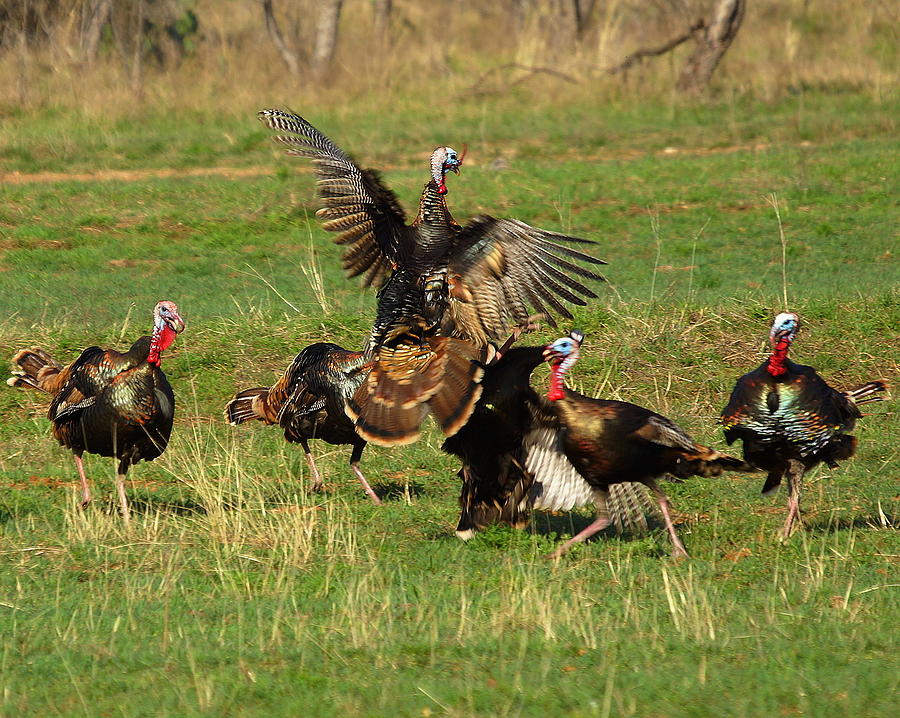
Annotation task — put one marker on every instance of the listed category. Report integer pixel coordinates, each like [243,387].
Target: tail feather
[773,481]
[37,370]
[407,380]
[864,394]
[631,508]
[460,389]
[247,405]
[21,379]
[487,500]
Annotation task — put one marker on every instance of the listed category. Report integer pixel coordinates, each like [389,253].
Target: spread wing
[502,271]
[557,485]
[355,202]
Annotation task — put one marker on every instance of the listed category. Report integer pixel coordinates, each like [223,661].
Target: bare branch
[478,87]
[639,55]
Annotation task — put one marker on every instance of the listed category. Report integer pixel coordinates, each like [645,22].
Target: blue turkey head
[165,314]
[784,327]
[565,349]
[442,160]
[562,355]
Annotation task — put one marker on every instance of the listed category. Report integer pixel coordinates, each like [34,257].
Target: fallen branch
[476,88]
[638,55]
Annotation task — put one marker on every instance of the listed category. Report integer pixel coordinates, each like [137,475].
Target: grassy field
[236,593]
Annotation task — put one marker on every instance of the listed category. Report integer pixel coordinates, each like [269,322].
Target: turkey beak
[455,169]
[176,323]
[776,337]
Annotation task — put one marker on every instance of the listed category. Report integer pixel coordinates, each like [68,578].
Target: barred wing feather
[508,270]
[559,487]
[355,201]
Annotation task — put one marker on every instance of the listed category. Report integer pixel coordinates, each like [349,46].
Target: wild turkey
[512,462]
[609,442]
[452,290]
[789,419]
[308,403]
[109,403]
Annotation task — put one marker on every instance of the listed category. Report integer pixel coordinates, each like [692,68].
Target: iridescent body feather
[308,402]
[790,419]
[109,403]
[612,442]
[513,460]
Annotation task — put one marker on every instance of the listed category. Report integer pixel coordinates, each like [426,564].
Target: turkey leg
[795,480]
[600,522]
[678,549]
[354,464]
[85,488]
[316,484]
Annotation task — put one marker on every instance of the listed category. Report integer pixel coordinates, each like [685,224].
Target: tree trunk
[583,11]
[287,54]
[711,45]
[137,60]
[383,9]
[520,10]
[326,35]
[96,15]
[22,85]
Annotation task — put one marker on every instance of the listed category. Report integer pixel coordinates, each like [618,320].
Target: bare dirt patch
[133,175]
[136,175]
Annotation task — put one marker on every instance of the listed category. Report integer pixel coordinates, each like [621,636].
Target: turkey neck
[436,233]
[778,357]
[160,341]
[558,371]
[434,224]
[511,374]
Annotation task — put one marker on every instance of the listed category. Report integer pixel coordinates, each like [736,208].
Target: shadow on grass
[547,530]
[566,525]
[393,490]
[832,524]
[176,507]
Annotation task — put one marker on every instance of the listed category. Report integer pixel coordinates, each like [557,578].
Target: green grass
[236,593]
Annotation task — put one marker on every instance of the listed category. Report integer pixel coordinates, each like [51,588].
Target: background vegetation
[236,592]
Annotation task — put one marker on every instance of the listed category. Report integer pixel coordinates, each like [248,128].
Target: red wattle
[779,355]
[556,385]
[167,336]
[160,341]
